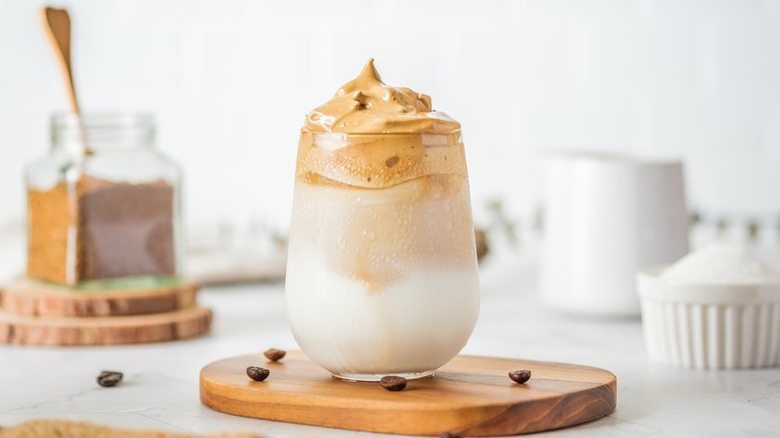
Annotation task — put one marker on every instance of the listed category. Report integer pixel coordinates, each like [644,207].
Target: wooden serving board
[470,395]
[32,297]
[104,330]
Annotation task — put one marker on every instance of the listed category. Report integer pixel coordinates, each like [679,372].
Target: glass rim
[348,136]
[305,131]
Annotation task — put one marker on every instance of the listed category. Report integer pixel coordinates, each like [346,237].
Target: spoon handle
[56,23]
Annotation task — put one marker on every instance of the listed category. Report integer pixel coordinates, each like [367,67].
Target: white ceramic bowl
[710,326]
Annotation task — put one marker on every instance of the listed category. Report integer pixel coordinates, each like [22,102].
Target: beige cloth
[77,429]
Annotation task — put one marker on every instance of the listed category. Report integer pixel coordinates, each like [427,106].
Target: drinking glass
[382,269]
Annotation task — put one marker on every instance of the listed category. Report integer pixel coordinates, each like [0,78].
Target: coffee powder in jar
[99,229]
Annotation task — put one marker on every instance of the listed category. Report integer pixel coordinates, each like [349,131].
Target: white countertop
[160,388]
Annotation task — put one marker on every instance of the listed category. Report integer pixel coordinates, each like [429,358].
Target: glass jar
[103,205]
[382,270]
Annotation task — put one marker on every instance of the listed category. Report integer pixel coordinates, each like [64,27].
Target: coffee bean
[274,355]
[109,378]
[393,383]
[257,373]
[520,376]
[451,435]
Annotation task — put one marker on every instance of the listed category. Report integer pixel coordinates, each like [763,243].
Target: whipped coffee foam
[365,105]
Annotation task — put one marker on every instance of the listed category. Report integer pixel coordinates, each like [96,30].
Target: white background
[231,81]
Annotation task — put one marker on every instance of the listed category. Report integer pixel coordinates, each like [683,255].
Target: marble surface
[160,388]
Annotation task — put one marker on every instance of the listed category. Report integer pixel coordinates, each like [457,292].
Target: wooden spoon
[56,23]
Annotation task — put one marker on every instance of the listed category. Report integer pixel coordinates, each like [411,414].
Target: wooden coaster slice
[32,297]
[472,396]
[111,330]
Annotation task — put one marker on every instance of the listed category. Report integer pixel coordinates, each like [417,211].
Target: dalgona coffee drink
[382,270]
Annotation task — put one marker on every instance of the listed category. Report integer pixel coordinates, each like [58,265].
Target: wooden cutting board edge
[483,419]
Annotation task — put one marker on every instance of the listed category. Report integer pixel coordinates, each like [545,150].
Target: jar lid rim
[102,119]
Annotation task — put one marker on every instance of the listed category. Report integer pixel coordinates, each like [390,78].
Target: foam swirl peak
[365,105]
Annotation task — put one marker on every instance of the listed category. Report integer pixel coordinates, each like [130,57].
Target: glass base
[377,377]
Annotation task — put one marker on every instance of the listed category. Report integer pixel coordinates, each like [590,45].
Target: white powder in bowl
[721,264]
